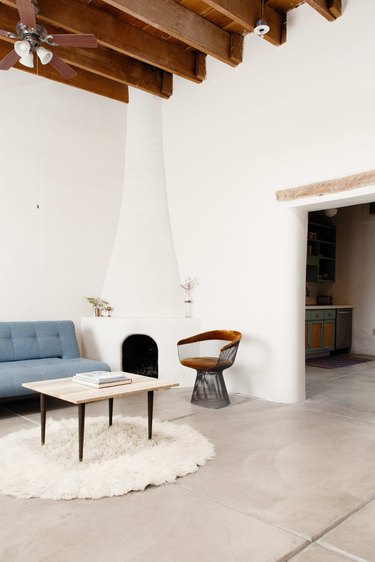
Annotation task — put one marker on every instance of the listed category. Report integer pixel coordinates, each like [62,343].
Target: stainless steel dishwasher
[344,319]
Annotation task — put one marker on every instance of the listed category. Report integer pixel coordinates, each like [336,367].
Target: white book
[102,376]
[100,385]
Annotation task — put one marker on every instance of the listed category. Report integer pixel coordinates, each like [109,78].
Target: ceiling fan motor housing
[34,36]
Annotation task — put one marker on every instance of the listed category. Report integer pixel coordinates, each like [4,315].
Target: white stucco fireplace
[103,338]
[142,280]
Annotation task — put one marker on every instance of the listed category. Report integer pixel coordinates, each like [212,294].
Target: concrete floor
[289,482]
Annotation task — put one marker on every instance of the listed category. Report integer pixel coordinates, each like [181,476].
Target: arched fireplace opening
[140,355]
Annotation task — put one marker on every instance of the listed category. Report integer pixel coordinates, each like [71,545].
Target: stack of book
[101,379]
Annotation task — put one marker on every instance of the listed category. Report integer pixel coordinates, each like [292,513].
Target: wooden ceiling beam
[182,24]
[111,65]
[84,80]
[112,33]
[323,8]
[335,8]
[102,61]
[247,12]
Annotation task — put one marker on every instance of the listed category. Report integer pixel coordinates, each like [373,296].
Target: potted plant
[98,304]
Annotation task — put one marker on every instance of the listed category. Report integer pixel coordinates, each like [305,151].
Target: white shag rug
[116,460]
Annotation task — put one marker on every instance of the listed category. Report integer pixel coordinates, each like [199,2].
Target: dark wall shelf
[321,253]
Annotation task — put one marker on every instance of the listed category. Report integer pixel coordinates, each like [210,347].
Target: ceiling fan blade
[87,41]
[9,60]
[27,12]
[64,69]
[4,33]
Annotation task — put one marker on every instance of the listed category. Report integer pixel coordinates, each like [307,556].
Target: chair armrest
[213,335]
[192,339]
[234,342]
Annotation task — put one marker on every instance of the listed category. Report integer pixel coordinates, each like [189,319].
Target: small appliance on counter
[324,300]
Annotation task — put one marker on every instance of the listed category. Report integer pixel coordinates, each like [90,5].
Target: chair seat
[205,363]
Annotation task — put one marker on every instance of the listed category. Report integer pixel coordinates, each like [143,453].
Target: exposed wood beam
[247,12]
[167,85]
[322,7]
[84,80]
[109,64]
[335,8]
[201,65]
[327,187]
[181,23]
[110,32]
[236,47]
[102,61]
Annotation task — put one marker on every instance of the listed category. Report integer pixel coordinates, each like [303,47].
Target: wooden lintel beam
[183,24]
[102,61]
[112,33]
[84,80]
[327,187]
[322,7]
[246,13]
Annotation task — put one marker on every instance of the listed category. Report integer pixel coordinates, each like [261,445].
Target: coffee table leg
[110,410]
[43,401]
[150,402]
[81,429]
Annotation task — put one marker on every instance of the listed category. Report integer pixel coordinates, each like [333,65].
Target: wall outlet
[373,331]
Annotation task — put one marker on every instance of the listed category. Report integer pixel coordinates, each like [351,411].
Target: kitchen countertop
[326,307]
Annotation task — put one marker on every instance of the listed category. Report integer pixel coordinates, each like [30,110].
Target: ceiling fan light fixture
[28,60]
[44,55]
[22,48]
[30,35]
[261,28]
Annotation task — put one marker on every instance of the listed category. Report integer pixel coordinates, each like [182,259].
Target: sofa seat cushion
[14,373]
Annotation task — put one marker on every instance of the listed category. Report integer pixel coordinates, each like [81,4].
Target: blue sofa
[31,351]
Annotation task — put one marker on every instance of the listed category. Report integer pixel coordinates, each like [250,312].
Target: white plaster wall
[63,149]
[285,117]
[355,273]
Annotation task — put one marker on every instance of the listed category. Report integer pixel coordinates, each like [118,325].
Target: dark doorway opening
[140,355]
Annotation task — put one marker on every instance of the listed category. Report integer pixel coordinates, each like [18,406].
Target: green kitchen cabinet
[320,330]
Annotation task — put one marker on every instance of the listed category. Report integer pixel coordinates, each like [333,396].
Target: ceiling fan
[31,35]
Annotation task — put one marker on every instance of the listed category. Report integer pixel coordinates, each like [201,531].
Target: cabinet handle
[344,312]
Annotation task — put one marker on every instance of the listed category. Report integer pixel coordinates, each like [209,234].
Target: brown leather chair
[206,353]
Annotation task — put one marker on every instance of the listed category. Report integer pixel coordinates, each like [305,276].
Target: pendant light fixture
[261,27]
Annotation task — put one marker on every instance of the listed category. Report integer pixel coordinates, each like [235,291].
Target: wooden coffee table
[69,391]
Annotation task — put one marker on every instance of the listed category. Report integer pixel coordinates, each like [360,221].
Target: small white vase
[188,308]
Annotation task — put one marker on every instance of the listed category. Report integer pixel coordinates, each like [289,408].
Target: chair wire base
[210,390]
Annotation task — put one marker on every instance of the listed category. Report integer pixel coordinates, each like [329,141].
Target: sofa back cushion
[37,340]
